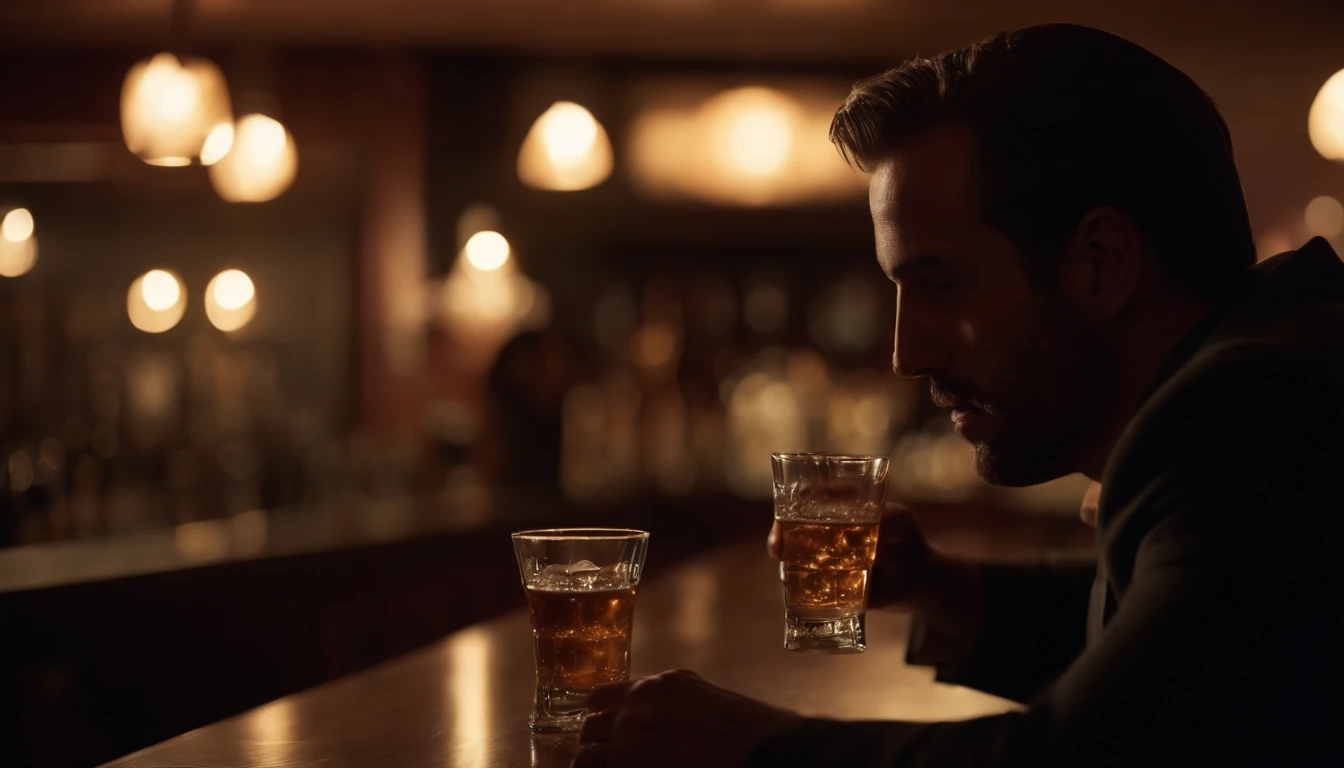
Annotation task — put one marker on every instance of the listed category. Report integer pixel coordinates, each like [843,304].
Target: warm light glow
[18,225]
[230,300]
[753,131]
[568,131]
[1272,243]
[655,346]
[217,144]
[748,146]
[1325,217]
[468,696]
[156,301]
[201,541]
[17,258]
[232,288]
[487,251]
[160,290]
[565,150]
[696,624]
[261,163]
[1325,121]
[169,107]
[271,732]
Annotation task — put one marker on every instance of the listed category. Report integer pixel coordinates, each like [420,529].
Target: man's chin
[1013,468]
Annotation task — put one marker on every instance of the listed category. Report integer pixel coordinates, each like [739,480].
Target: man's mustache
[959,394]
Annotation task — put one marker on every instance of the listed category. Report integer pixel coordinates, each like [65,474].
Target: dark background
[195,522]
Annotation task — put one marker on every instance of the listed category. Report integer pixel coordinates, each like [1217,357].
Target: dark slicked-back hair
[1069,118]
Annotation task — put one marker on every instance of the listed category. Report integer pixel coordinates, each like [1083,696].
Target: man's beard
[1043,406]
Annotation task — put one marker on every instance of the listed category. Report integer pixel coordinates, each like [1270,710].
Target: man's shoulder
[1257,371]
[1276,389]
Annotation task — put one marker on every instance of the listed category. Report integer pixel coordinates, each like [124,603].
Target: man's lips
[969,420]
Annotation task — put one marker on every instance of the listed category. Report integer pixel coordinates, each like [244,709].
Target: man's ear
[1102,262]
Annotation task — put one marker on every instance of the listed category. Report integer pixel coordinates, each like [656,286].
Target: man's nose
[918,350]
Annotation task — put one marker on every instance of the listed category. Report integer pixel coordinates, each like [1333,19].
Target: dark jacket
[1208,632]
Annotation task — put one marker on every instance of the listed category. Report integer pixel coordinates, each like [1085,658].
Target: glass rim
[581,534]
[823,456]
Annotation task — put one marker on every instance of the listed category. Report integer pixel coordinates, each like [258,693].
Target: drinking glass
[580,585]
[828,507]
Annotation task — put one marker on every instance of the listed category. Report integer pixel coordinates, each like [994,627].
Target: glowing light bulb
[17,225]
[1325,121]
[156,301]
[566,149]
[170,106]
[754,131]
[568,131]
[160,290]
[232,288]
[230,300]
[487,251]
[260,164]
[217,144]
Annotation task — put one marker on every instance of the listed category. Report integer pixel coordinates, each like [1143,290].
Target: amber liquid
[825,568]
[582,640]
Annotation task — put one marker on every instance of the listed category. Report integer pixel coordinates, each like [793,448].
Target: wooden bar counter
[464,702]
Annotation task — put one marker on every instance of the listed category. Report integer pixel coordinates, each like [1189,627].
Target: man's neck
[1150,338]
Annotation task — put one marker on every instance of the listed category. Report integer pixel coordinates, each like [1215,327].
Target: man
[1062,217]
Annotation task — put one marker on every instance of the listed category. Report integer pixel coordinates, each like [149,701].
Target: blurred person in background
[527,386]
[1062,216]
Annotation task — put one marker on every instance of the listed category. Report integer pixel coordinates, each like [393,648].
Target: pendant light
[170,104]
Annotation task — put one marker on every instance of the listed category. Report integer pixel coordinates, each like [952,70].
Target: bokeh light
[169,107]
[261,163]
[752,131]
[487,251]
[17,225]
[1325,121]
[18,244]
[754,145]
[217,144]
[160,290]
[567,149]
[230,300]
[156,301]
[1325,217]
[655,346]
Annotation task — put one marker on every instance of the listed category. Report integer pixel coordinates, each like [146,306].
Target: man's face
[1022,372]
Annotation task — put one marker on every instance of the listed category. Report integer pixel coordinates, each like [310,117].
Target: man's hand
[672,719]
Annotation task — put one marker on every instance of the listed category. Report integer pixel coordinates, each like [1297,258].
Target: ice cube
[554,576]
[614,576]
[583,574]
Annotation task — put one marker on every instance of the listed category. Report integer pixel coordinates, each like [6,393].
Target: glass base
[556,723]
[824,635]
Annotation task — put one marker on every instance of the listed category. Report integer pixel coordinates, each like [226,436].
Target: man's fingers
[1091,500]
[609,696]
[597,727]
[772,544]
[593,756]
